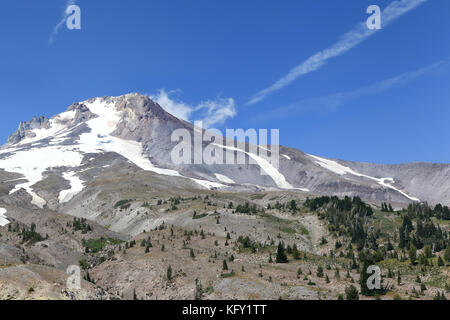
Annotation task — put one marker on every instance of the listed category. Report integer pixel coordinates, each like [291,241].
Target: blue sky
[383,99]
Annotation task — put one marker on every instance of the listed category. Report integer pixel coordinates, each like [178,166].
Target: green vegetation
[199,216]
[81,224]
[258,196]
[30,236]
[247,208]
[123,204]
[97,245]
[413,238]
[281,254]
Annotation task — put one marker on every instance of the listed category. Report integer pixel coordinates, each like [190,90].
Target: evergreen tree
[412,254]
[351,293]
[319,271]
[295,253]
[281,254]
[169,273]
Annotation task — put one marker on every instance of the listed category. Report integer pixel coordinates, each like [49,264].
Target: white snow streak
[271,171]
[223,178]
[76,186]
[342,170]
[3,220]
[208,184]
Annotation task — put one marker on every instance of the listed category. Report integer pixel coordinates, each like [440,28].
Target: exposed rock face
[82,113]
[25,127]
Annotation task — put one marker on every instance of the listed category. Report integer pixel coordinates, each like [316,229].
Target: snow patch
[223,178]
[76,186]
[208,184]
[287,157]
[3,220]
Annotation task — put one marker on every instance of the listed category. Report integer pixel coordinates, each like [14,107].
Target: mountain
[75,146]
[85,186]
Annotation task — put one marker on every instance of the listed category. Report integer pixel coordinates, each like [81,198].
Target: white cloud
[177,108]
[211,112]
[61,22]
[349,40]
[334,101]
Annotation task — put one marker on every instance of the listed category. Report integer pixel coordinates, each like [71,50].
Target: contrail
[335,100]
[61,22]
[349,40]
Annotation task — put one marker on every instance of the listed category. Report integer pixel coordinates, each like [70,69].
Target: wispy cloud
[348,41]
[333,101]
[61,22]
[211,112]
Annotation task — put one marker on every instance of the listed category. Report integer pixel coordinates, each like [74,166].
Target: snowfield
[342,170]
[34,162]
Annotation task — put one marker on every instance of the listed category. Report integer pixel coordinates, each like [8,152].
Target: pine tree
[351,293]
[412,254]
[224,265]
[319,271]
[281,254]
[169,273]
[295,253]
